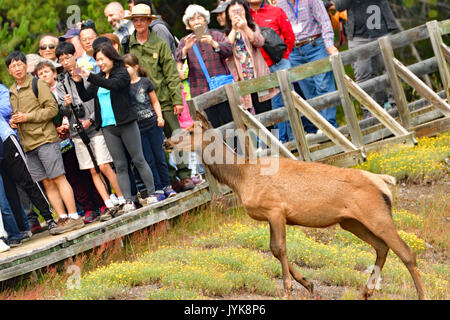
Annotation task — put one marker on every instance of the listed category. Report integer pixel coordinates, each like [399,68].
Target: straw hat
[141,10]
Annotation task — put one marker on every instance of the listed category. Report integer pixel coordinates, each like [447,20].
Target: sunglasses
[48,46]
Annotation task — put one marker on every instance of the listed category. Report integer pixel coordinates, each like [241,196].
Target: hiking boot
[68,224]
[25,235]
[169,192]
[3,246]
[186,184]
[108,213]
[90,216]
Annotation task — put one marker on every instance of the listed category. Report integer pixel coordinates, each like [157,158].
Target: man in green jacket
[32,115]
[157,60]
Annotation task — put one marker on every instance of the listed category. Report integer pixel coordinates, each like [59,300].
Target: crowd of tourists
[83,125]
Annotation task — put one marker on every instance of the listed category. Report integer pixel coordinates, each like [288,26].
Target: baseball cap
[70,34]
[223,5]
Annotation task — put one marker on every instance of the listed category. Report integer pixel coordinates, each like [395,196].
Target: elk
[307,194]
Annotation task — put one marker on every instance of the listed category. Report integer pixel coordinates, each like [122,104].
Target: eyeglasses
[65,59]
[47,46]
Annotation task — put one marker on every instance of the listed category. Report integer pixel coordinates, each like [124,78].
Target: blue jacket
[5,106]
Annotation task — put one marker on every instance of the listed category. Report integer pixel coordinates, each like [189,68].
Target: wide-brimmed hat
[223,5]
[141,10]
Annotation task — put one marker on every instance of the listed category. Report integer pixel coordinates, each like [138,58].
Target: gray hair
[190,12]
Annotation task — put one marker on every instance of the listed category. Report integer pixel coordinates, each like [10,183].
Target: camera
[79,111]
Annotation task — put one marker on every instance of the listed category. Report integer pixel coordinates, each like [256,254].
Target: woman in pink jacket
[247,61]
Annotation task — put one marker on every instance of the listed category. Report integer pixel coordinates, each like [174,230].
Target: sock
[63,216]
[74,215]
[122,200]
[109,203]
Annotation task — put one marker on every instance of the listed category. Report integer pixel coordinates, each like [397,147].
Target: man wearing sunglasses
[47,47]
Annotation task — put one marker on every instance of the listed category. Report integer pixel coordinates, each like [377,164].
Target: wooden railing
[347,145]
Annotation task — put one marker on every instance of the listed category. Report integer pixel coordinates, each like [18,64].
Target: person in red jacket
[275,18]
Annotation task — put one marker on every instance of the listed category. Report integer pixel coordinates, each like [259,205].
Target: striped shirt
[308,18]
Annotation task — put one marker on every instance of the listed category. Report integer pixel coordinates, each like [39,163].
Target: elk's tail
[390,180]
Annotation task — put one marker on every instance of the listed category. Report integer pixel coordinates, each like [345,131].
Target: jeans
[285,129]
[9,221]
[317,85]
[152,140]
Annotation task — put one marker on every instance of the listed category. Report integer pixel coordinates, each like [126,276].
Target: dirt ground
[406,196]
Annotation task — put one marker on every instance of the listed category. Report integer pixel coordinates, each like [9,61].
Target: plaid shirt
[214,61]
[313,18]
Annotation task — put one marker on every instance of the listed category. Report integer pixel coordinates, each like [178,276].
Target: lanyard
[296,8]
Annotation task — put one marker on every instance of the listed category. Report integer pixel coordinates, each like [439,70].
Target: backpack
[34,86]
[126,40]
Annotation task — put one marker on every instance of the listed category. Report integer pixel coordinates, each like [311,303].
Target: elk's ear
[190,129]
[205,122]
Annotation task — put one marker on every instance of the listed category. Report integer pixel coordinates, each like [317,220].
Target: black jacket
[358,8]
[119,85]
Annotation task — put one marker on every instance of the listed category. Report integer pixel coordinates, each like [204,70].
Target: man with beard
[115,13]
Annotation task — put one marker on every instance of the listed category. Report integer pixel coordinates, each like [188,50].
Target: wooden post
[374,108]
[347,104]
[399,94]
[294,116]
[267,136]
[212,182]
[436,41]
[421,87]
[234,101]
[321,123]
[445,51]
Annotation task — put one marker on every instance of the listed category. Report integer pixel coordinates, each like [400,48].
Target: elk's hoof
[366,293]
[311,288]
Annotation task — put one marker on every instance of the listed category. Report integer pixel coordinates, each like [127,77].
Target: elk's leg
[300,279]
[278,248]
[386,230]
[359,230]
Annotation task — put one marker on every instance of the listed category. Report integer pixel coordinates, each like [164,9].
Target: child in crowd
[150,121]
[186,121]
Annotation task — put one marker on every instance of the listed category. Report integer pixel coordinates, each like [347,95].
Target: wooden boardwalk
[344,146]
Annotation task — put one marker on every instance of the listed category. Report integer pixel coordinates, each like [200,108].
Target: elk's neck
[225,165]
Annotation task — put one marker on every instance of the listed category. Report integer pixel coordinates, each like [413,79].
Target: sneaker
[25,235]
[68,224]
[108,213]
[197,180]
[51,224]
[3,246]
[160,195]
[14,243]
[90,216]
[169,192]
[129,206]
[114,199]
[36,228]
[143,194]
[153,199]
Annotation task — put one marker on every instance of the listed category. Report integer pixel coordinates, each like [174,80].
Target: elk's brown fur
[312,195]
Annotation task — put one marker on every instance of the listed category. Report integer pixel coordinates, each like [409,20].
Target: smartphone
[200,32]
[76,71]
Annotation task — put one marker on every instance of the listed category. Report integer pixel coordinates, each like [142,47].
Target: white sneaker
[151,199]
[129,206]
[319,132]
[114,199]
[3,246]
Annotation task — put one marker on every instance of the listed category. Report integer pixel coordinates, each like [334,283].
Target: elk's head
[189,139]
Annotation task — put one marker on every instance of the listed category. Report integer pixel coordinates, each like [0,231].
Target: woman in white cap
[213,48]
